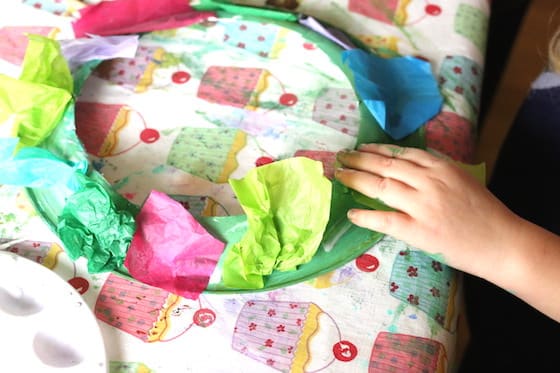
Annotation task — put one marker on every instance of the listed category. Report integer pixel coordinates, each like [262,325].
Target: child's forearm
[530,268]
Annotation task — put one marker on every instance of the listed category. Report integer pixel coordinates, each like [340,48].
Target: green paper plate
[238,75]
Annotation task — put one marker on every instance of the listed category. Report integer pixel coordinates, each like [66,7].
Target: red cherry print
[204,317]
[367,263]
[288,99]
[345,351]
[149,135]
[261,161]
[180,77]
[433,10]
[129,196]
[309,46]
[80,284]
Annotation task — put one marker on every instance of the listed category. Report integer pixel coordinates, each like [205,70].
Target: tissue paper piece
[31,167]
[30,110]
[401,93]
[40,96]
[135,16]
[13,40]
[7,150]
[44,64]
[82,50]
[287,204]
[98,224]
[170,249]
[38,108]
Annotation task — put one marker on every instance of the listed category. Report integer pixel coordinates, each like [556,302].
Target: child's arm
[444,211]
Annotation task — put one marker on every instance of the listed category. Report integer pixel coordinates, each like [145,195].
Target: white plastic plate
[46,325]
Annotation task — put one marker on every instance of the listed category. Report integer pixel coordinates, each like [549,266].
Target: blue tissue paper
[401,93]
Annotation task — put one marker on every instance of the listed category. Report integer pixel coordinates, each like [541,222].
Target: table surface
[391,309]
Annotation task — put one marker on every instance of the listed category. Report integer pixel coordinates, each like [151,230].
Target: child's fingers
[393,223]
[398,169]
[392,192]
[416,156]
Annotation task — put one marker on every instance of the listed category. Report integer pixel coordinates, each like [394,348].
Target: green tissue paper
[287,204]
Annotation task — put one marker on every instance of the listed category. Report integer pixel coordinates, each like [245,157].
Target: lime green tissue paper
[37,109]
[44,64]
[287,204]
[34,105]
[37,100]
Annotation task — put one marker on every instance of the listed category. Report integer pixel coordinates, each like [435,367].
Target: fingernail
[350,214]
[342,158]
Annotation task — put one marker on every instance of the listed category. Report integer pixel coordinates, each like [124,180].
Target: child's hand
[441,209]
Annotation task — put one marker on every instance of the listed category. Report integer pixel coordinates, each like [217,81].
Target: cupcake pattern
[279,335]
[384,311]
[209,153]
[406,353]
[338,108]
[136,73]
[148,313]
[425,283]
[263,39]
[387,11]
[460,76]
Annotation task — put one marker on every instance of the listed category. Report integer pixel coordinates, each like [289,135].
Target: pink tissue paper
[119,17]
[170,249]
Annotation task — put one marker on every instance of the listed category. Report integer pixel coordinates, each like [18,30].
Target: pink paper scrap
[120,17]
[170,249]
